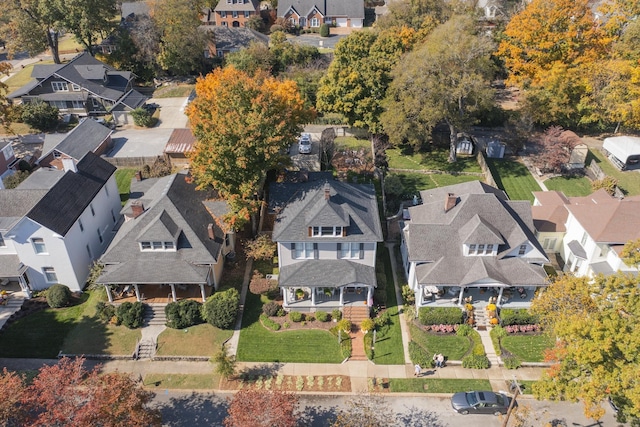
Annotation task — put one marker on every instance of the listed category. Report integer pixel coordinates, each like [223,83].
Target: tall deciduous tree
[5,106]
[181,42]
[262,409]
[446,80]
[631,253]
[242,125]
[595,356]
[89,19]
[361,71]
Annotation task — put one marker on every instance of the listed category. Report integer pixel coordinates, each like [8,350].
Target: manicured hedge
[440,315]
[510,317]
[130,314]
[58,296]
[183,314]
[221,308]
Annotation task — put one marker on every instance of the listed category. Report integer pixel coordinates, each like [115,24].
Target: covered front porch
[158,293]
[479,296]
[325,299]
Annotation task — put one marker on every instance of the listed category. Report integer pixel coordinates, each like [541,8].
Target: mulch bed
[289,383]
[305,324]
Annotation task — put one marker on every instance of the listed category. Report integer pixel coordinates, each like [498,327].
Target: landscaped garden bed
[289,383]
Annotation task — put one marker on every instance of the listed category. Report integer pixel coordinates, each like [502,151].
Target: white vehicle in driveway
[304,144]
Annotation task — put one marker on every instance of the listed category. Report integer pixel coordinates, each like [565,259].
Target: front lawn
[514,178]
[123,180]
[436,385]
[527,348]
[451,346]
[198,340]
[571,186]
[436,159]
[388,346]
[628,181]
[41,334]
[258,344]
[92,336]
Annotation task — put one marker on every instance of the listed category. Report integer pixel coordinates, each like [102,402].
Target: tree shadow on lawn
[312,416]
[194,410]
[90,336]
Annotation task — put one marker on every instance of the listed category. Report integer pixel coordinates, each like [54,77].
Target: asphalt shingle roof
[346,8]
[326,273]
[84,138]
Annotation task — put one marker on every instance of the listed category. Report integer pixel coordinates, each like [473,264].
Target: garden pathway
[232,343]
[403,325]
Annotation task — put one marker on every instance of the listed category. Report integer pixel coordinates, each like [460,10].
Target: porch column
[461,295]
[173,292]
[370,296]
[109,296]
[499,302]
[135,288]
[24,286]
[203,293]
[313,296]
[341,296]
[419,296]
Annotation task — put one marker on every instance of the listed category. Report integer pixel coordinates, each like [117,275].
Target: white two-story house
[55,224]
[326,233]
[469,241]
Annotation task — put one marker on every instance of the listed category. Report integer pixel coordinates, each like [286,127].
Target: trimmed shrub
[419,355]
[295,316]
[464,330]
[408,296]
[496,335]
[322,316]
[130,314]
[281,312]
[478,350]
[344,325]
[440,315]
[105,311]
[324,30]
[271,308]
[517,317]
[473,361]
[383,320]
[268,323]
[221,308]
[58,296]
[511,362]
[143,118]
[183,314]
[380,297]
[336,314]
[367,325]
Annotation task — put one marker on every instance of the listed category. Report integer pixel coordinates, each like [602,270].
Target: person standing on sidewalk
[440,361]
[418,370]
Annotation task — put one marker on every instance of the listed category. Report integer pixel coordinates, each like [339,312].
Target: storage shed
[495,149]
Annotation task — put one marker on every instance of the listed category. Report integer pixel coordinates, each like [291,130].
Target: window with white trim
[60,105]
[77,104]
[351,250]
[472,249]
[95,103]
[223,14]
[522,250]
[59,86]
[326,231]
[489,249]
[75,87]
[224,24]
[583,241]
[304,250]
[234,13]
[247,14]
[38,245]
[480,249]
[50,274]
[315,22]
[157,246]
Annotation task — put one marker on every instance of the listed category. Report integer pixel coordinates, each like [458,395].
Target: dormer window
[472,249]
[59,86]
[327,231]
[157,246]
[481,250]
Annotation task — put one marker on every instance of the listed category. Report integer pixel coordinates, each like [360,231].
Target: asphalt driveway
[171,112]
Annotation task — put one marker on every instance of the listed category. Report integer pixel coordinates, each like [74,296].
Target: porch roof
[154,271]
[9,266]
[326,273]
[576,248]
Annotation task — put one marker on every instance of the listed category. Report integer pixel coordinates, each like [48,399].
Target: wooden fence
[488,177]
[131,162]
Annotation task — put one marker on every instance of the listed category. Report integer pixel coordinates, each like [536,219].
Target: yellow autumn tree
[595,321]
[242,125]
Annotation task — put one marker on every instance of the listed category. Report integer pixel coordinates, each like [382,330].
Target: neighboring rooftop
[181,141]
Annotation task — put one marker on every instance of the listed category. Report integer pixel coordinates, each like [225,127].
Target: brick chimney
[137,208]
[211,231]
[450,202]
[327,191]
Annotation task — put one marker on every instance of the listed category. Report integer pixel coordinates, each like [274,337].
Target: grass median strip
[436,385]
[182,381]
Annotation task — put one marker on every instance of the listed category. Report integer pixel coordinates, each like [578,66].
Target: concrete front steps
[12,306]
[356,314]
[154,315]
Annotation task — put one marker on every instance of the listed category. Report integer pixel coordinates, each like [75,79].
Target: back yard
[514,178]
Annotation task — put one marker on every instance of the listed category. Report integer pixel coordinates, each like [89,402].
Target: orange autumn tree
[242,125]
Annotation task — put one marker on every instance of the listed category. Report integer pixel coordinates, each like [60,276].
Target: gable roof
[84,138]
[15,203]
[173,211]
[299,206]
[239,5]
[328,8]
[130,101]
[59,209]
[482,215]
[134,8]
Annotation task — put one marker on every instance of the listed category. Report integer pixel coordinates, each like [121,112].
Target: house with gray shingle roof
[52,233]
[235,13]
[88,136]
[312,14]
[171,245]
[326,233]
[469,238]
[83,86]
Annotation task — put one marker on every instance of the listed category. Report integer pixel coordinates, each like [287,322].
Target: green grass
[388,346]
[352,143]
[436,385]
[452,346]
[199,340]
[413,183]
[181,381]
[528,348]
[257,344]
[178,91]
[436,159]
[123,180]
[92,336]
[21,77]
[514,178]
[69,42]
[41,334]
[629,181]
[574,186]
